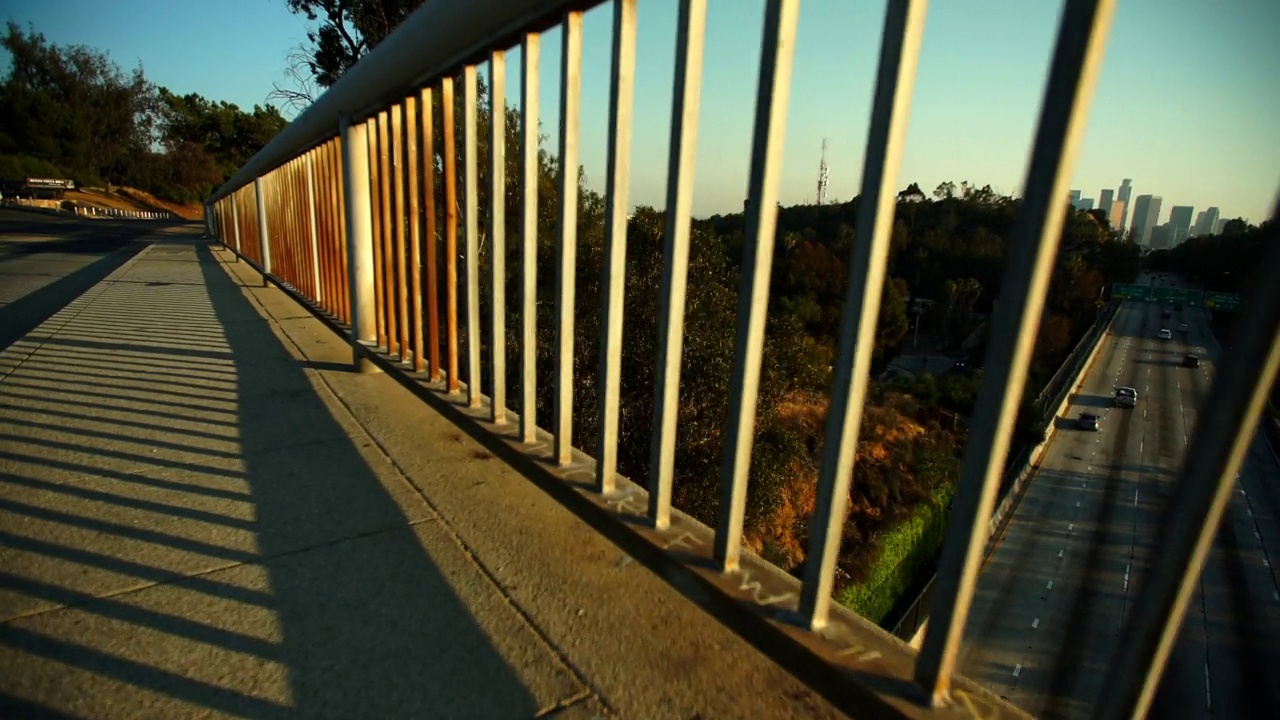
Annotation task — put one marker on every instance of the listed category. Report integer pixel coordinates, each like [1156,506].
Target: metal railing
[341,208]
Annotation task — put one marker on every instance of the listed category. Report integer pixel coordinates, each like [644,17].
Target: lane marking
[1135,497]
[1141,444]
[1266,562]
[1049,586]
[1208,695]
[1126,576]
[1035,623]
[1275,594]
[1017,670]
[1061,553]
[1070,527]
[1077,503]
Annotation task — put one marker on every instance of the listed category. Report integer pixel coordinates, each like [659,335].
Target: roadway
[1055,594]
[47,260]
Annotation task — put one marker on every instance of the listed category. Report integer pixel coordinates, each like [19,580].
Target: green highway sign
[1126,291]
[1177,295]
[1222,301]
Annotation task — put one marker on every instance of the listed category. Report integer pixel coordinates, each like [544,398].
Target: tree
[347,30]
[73,107]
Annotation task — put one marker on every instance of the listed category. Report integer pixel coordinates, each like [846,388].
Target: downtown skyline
[978,90]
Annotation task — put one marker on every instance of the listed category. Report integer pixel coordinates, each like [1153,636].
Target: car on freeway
[1191,361]
[1182,327]
[1126,397]
[1164,334]
[1088,421]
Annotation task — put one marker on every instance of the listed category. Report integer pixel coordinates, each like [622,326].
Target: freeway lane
[1055,594]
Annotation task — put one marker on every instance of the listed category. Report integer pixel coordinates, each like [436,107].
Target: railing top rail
[438,37]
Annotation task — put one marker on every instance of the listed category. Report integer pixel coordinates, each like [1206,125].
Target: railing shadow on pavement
[165,547]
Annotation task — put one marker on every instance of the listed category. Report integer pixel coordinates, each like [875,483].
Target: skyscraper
[1082,203]
[1146,209]
[1206,223]
[1126,188]
[1180,223]
[1105,198]
[1161,236]
[1115,212]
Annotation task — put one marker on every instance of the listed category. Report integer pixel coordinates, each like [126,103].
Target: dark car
[1191,361]
[1088,421]
[1166,315]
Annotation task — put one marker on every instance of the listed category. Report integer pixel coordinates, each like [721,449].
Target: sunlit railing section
[369,207]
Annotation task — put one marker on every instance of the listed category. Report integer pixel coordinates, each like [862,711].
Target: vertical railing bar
[310,217]
[263,231]
[234,203]
[345,270]
[530,50]
[281,223]
[567,240]
[899,53]
[690,37]
[1033,248]
[357,218]
[471,196]
[412,118]
[402,275]
[498,234]
[621,91]
[777,50]
[281,219]
[320,216]
[332,292]
[450,150]
[385,171]
[289,207]
[429,224]
[1228,425]
[375,199]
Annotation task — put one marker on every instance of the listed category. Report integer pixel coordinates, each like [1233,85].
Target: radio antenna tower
[822,174]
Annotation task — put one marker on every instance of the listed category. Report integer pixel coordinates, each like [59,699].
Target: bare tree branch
[300,87]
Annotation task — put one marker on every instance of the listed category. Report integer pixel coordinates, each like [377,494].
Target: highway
[1054,595]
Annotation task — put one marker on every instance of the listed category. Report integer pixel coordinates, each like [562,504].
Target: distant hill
[126,198]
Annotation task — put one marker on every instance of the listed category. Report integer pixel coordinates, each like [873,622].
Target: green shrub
[904,552]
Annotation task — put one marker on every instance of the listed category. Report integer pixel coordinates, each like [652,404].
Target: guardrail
[340,209]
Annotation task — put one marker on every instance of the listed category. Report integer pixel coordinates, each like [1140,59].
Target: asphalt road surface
[1056,592]
[47,260]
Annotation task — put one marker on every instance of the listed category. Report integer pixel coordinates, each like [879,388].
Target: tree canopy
[72,111]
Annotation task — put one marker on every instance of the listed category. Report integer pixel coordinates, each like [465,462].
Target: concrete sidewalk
[204,513]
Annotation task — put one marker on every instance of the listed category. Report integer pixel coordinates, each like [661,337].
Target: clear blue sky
[1188,104]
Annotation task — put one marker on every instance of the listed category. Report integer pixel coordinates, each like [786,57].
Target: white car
[1164,334]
